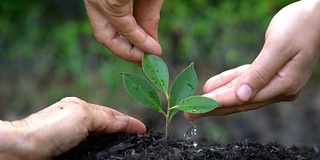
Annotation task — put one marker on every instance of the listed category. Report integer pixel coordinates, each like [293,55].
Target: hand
[125,28]
[281,70]
[60,127]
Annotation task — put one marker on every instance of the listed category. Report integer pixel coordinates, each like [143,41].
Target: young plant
[180,96]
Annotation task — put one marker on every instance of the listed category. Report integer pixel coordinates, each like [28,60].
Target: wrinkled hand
[125,28]
[283,67]
[60,127]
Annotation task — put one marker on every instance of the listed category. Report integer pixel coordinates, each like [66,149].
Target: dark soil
[153,146]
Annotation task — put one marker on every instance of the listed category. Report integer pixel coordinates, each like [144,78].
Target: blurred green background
[47,52]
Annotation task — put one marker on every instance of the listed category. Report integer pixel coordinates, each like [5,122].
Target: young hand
[283,67]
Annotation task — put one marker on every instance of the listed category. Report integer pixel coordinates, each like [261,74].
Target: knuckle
[75,104]
[71,99]
[291,90]
[259,77]
[117,3]
[79,110]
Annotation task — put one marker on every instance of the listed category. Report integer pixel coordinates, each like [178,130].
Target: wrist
[8,137]
[14,143]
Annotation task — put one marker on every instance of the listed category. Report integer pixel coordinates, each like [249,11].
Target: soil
[153,146]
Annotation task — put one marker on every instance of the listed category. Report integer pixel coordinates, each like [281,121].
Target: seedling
[180,96]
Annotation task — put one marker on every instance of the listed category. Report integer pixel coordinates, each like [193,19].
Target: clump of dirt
[153,145]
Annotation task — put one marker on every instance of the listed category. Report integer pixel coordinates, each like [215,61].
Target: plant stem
[167,116]
[167,124]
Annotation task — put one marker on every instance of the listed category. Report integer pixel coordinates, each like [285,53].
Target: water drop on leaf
[161,82]
[154,80]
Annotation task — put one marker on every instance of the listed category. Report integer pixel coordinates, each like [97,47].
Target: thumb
[147,14]
[273,56]
[252,81]
[130,124]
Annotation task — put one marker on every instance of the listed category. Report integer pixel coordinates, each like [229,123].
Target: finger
[106,34]
[120,16]
[111,121]
[137,36]
[147,14]
[223,78]
[273,56]
[289,80]
[221,111]
[121,35]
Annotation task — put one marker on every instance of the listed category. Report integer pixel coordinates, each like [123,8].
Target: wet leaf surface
[184,85]
[141,90]
[197,104]
[157,72]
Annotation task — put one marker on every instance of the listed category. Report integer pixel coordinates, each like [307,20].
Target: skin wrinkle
[120,9]
[123,35]
[81,130]
[106,25]
[261,74]
[147,13]
[113,9]
[122,20]
[105,114]
[128,21]
[60,130]
[129,53]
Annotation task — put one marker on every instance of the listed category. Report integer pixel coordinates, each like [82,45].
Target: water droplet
[154,80]
[155,107]
[194,110]
[154,70]
[198,150]
[190,86]
[152,94]
[186,101]
[195,144]
[192,131]
[136,87]
[161,82]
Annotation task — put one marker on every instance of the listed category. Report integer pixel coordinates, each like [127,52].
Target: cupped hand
[60,127]
[129,29]
[281,70]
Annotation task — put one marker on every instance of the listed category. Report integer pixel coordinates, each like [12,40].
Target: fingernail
[122,118]
[244,92]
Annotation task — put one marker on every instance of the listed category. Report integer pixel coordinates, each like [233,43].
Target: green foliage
[184,86]
[47,50]
[197,104]
[157,71]
[141,90]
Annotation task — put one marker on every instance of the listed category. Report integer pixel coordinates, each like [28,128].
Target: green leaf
[184,85]
[157,71]
[197,104]
[173,112]
[142,91]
